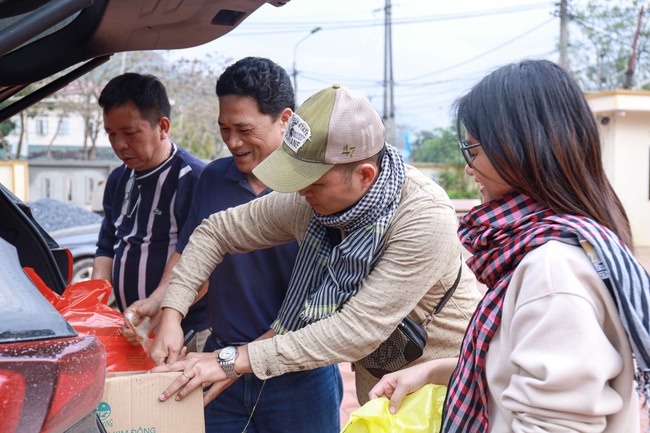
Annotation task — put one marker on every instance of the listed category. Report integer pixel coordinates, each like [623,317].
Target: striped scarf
[324,277]
[499,234]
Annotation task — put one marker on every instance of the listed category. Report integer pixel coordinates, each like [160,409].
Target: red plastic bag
[84,306]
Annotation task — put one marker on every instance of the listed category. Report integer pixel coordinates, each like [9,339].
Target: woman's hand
[395,386]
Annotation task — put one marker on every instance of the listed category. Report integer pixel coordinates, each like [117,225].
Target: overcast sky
[440,48]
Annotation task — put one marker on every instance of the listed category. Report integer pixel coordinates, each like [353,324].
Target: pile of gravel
[56,215]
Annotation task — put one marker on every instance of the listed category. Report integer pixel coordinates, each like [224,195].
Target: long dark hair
[538,131]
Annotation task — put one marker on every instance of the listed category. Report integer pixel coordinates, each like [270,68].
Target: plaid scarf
[499,234]
[325,276]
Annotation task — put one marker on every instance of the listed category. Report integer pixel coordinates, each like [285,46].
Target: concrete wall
[78,182]
[14,176]
[624,117]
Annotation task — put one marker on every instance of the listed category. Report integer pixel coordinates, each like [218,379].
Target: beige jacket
[560,361]
[420,261]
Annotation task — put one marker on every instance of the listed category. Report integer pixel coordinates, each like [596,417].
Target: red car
[51,380]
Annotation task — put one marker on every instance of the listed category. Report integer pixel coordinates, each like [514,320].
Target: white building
[624,117]
[65,177]
[63,133]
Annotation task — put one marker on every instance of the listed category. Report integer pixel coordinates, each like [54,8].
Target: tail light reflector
[12,395]
[49,386]
[82,369]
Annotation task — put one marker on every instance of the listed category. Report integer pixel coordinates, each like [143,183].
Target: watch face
[227,353]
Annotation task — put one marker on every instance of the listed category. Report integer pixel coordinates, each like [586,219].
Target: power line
[498,47]
[407,20]
[292,27]
[409,83]
[401,84]
[336,78]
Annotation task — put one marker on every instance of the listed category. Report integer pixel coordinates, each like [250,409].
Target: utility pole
[295,70]
[389,83]
[564,34]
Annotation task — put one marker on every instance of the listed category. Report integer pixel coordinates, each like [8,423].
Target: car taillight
[12,393]
[80,385]
[49,386]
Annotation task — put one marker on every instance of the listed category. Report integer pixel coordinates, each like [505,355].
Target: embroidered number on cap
[348,150]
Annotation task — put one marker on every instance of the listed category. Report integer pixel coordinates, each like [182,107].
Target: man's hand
[198,370]
[201,370]
[167,345]
[148,307]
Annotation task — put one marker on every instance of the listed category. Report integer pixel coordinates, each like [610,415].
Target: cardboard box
[130,405]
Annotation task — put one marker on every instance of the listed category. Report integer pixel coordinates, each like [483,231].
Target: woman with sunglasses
[563,330]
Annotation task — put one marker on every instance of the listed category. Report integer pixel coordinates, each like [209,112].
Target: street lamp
[295,71]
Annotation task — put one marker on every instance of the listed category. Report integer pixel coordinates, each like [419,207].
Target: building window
[41,126]
[64,127]
[90,190]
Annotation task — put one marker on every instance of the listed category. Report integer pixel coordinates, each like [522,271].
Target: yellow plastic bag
[419,412]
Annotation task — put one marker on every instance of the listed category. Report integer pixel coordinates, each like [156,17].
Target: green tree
[196,108]
[5,129]
[440,146]
[601,49]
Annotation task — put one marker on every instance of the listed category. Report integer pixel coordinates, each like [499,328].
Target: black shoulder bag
[406,343]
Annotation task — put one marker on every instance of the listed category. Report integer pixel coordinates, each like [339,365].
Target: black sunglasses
[465,149]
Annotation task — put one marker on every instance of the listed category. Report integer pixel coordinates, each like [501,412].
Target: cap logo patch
[297,133]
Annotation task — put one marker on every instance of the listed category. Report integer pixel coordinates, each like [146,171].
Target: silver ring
[183,373]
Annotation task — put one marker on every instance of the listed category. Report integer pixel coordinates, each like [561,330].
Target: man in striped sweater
[147,199]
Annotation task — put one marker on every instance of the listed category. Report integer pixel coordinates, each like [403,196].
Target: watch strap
[228,366]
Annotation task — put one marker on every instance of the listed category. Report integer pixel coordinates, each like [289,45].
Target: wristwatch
[226,358]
